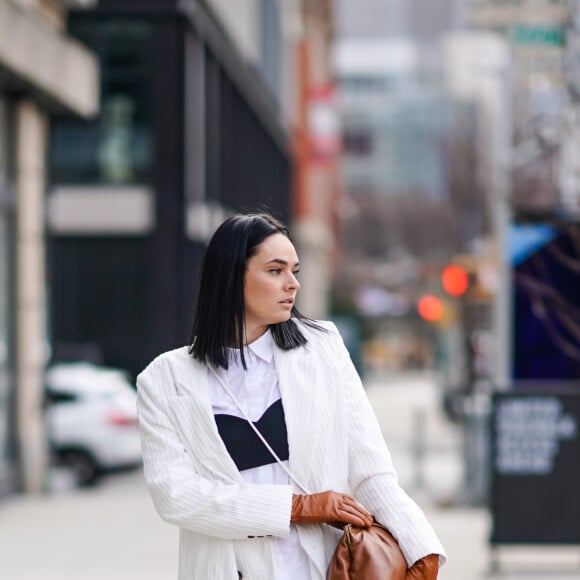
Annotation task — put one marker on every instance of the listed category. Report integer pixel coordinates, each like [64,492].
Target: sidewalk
[110,533]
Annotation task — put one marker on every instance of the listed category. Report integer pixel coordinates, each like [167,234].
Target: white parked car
[91,419]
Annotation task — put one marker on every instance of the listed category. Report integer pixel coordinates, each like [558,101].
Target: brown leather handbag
[367,554]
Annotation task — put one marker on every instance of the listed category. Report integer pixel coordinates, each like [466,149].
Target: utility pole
[502,314]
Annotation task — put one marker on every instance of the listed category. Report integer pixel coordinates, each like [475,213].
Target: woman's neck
[252,334]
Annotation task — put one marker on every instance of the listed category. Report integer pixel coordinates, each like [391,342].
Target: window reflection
[116,147]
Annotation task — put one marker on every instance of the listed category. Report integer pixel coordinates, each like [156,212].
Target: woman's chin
[284,317]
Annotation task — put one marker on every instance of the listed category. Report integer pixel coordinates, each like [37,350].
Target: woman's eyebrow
[281,262]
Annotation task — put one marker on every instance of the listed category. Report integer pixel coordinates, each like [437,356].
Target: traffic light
[455,280]
[430,308]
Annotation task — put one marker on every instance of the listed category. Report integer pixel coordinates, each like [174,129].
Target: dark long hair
[220,312]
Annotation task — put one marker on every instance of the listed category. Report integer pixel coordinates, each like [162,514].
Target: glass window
[60,397]
[4,150]
[116,147]
[6,280]
[357,141]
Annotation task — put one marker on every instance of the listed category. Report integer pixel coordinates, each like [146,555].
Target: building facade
[317,199]
[42,71]
[542,190]
[537,34]
[199,103]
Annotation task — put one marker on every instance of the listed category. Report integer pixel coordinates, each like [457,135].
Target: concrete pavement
[113,533]
[110,533]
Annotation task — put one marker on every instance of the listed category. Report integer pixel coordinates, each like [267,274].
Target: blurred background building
[462,114]
[43,71]
[460,140]
[192,129]
[201,109]
[410,160]
[203,105]
[538,33]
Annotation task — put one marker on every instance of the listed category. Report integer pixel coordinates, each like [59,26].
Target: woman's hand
[424,569]
[329,507]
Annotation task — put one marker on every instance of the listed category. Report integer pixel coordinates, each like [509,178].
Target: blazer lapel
[193,416]
[298,377]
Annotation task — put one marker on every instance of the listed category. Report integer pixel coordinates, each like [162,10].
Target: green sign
[551,35]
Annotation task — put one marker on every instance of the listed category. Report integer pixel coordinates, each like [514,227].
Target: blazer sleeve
[225,510]
[372,476]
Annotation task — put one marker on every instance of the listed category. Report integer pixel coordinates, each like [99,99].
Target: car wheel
[83,467]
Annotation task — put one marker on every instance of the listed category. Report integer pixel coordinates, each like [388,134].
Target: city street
[168,168]
[112,532]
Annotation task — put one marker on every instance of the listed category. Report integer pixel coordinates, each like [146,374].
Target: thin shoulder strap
[257,431]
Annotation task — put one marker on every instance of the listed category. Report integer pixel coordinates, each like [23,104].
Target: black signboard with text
[535,494]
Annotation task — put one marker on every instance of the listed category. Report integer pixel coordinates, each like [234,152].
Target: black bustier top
[244,446]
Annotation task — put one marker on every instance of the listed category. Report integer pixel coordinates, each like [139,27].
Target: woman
[239,514]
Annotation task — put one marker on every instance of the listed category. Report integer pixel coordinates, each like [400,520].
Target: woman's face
[270,285]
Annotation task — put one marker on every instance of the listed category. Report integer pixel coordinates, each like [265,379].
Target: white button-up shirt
[256,389]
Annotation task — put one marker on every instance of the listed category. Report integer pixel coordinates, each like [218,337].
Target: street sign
[548,35]
[535,467]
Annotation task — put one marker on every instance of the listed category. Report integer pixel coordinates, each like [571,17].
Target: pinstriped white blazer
[334,440]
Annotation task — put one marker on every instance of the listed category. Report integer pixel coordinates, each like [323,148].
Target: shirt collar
[263,347]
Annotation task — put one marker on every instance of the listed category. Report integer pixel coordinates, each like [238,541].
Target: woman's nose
[293,282]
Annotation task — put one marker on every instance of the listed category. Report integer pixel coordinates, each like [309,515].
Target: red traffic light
[454,280]
[430,308]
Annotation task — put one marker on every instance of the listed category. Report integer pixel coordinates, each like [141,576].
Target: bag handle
[257,431]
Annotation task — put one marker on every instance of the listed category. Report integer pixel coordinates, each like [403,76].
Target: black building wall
[122,299]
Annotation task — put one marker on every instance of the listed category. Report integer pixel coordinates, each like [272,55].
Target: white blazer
[335,442]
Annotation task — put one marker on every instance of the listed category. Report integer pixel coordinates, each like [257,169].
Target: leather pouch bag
[367,554]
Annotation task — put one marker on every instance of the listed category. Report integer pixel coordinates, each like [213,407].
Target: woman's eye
[275,271]
[296,272]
